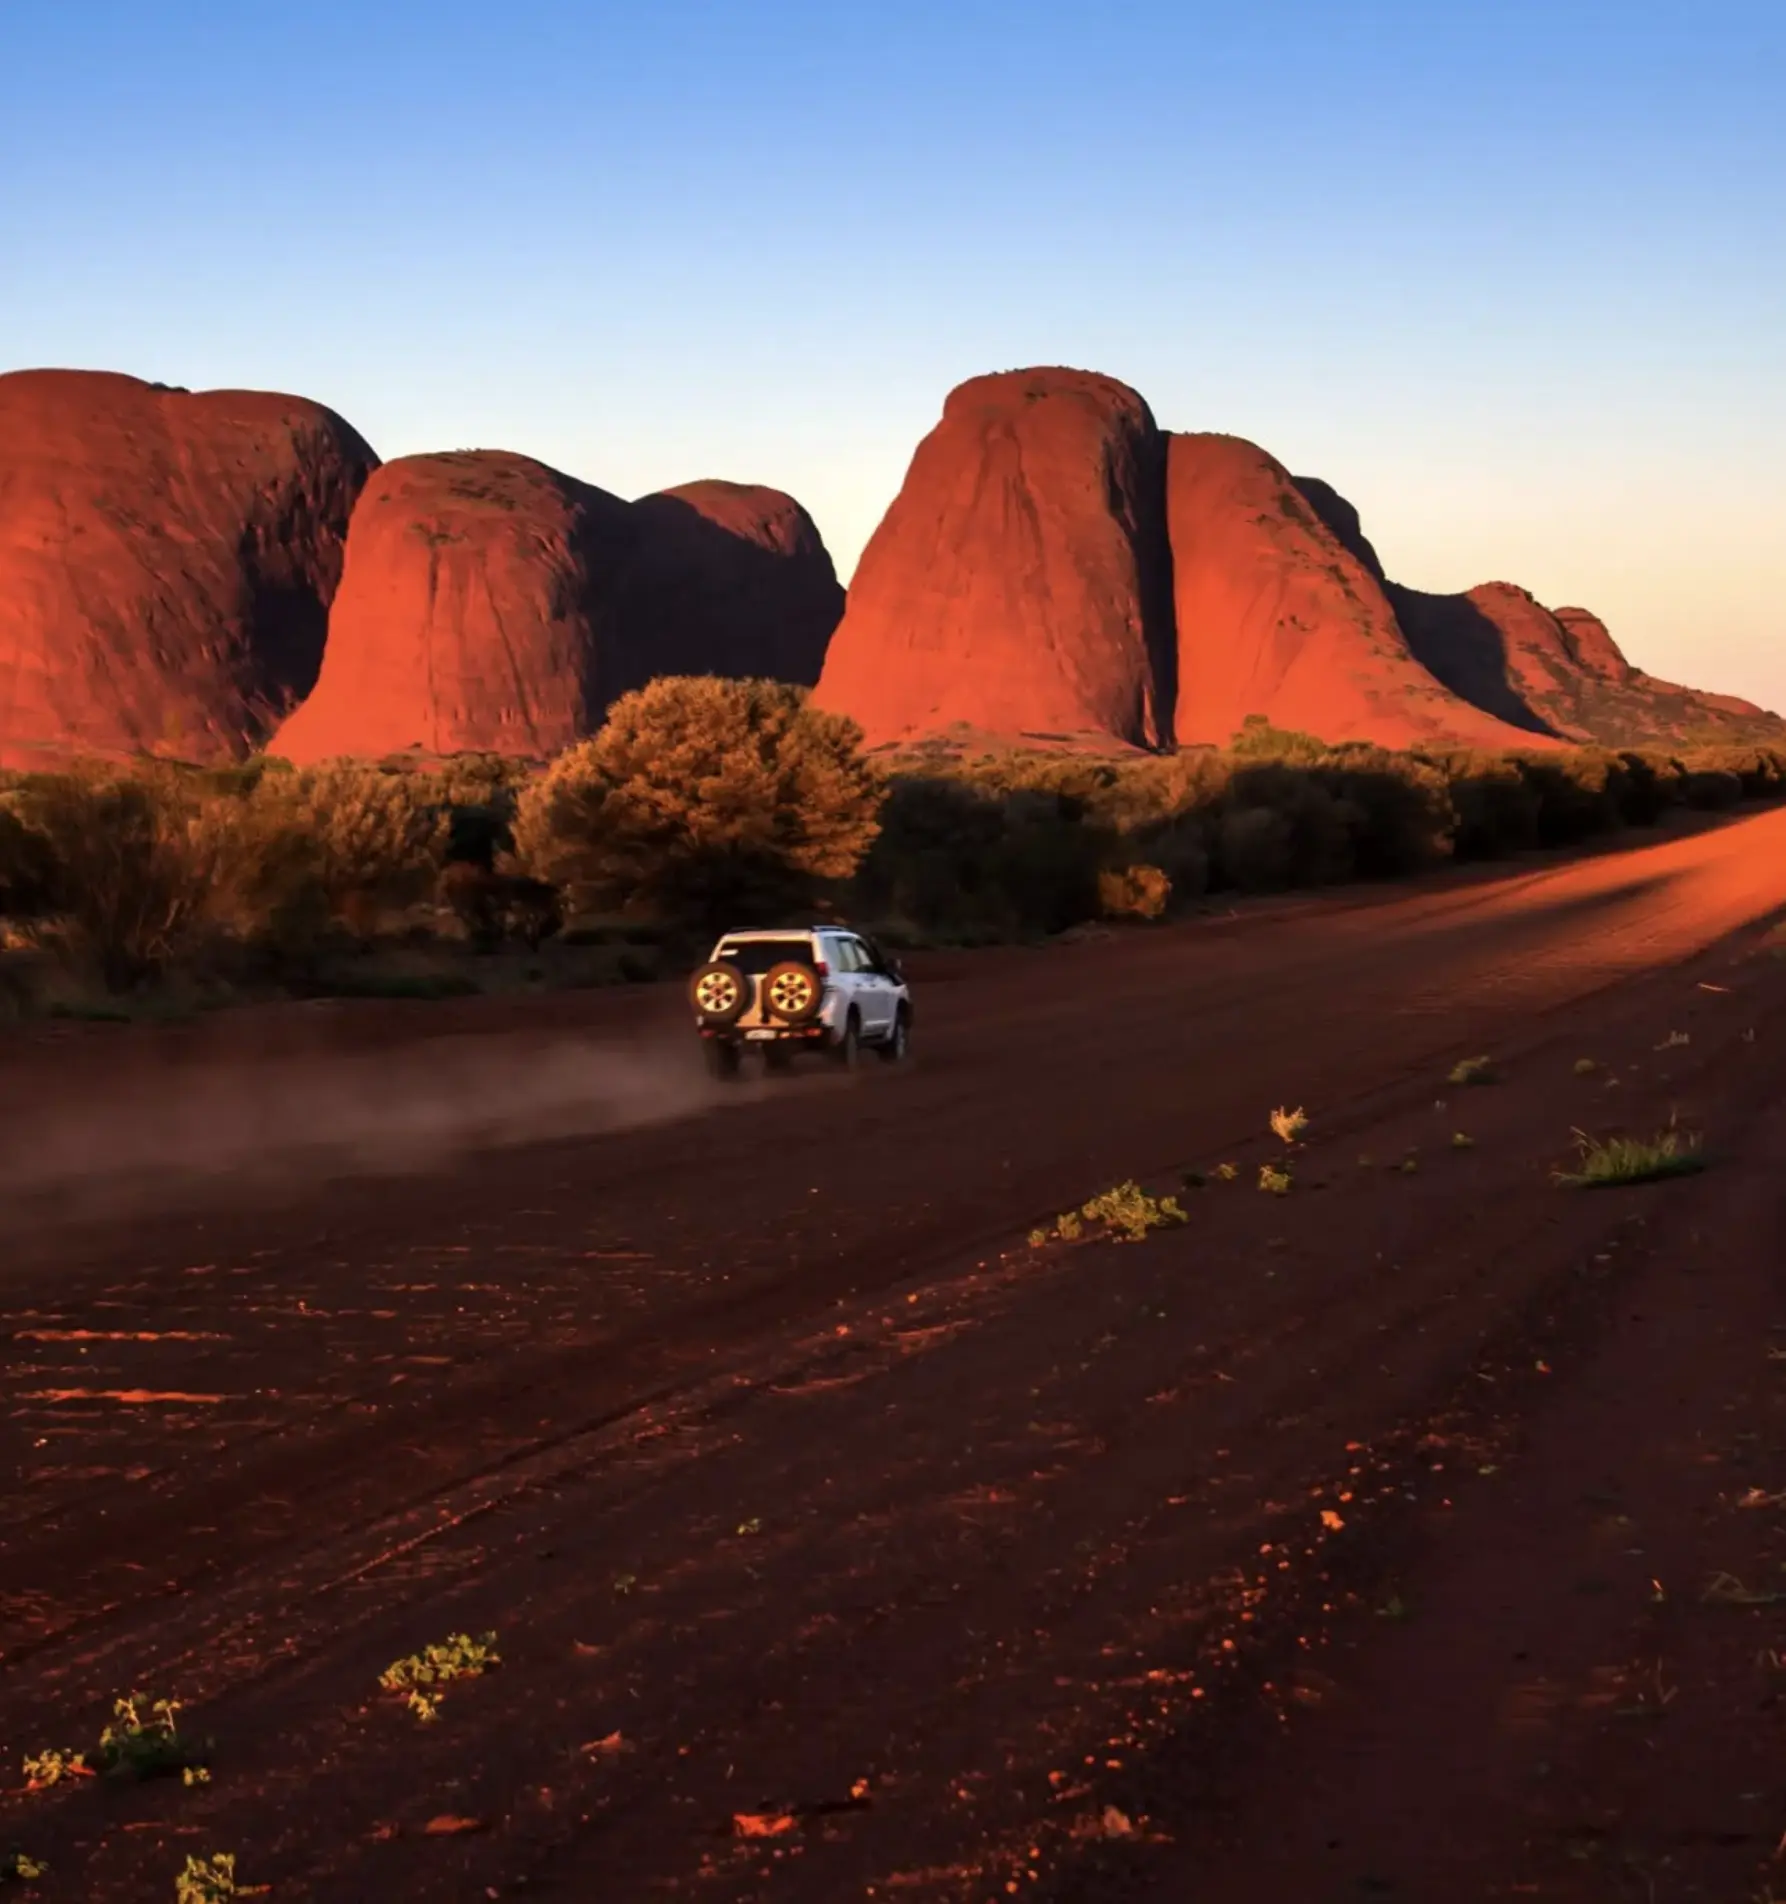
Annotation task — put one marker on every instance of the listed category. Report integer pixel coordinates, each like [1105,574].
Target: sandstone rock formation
[491,604]
[1559,672]
[1019,585]
[166,562]
[475,613]
[727,578]
[1281,612]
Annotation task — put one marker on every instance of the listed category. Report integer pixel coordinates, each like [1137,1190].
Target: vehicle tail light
[823,970]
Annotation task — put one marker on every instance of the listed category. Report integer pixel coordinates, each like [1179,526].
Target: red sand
[800,1491]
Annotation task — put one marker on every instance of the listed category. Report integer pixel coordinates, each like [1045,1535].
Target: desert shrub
[1399,808]
[27,867]
[1257,739]
[1711,788]
[1650,785]
[326,848]
[1578,794]
[492,905]
[1496,805]
[702,799]
[1254,849]
[1133,892]
[128,870]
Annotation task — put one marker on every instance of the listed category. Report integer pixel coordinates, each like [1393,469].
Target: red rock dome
[472,614]
[1281,613]
[166,562]
[1019,585]
[730,579]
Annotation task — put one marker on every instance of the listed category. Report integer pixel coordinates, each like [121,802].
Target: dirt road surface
[1417,1533]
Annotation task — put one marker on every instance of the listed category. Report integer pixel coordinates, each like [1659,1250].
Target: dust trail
[152,1136]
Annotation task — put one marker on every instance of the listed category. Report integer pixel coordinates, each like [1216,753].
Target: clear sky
[1511,274]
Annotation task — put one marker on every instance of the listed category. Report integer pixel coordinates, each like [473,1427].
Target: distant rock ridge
[196,576]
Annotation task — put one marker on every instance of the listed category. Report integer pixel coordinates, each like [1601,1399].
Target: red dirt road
[797,1488]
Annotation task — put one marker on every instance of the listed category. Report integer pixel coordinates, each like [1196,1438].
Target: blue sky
[1510,275]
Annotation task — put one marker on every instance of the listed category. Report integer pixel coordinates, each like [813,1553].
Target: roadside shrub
[492,905]
[27,867]
[1134,892]
[703,800]
[1710,789]
[1496,804]
[1254,849]
[128,872]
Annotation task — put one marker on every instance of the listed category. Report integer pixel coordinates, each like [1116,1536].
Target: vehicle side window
[865,959]
[849,955]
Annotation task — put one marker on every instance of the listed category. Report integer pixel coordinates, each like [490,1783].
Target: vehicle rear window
[755,956]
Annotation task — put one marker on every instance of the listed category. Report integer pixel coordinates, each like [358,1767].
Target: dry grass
[1620,1160]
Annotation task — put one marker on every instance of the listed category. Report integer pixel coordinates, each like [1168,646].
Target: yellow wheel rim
[716,992]
[790,992]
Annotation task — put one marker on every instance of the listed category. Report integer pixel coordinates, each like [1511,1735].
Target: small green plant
[1277,1182]
[1128,1210]
[458,1656]
[1675,1040]
[1472,1071]
[43,1769]
[144,1740]
[1671,1153]
[1585,1067]
[1462,1140]
[1289,1125]
[209,1880]
[19,1867]
[1227,1172]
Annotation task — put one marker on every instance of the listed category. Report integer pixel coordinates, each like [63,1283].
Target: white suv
[822,988]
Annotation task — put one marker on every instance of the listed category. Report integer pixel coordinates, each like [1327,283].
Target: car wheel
[849,1045]
[792,992]
[898,1042]
[719,993]
[722,1057]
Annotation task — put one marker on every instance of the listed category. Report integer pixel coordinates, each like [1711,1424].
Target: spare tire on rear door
[792,992]
[719,993]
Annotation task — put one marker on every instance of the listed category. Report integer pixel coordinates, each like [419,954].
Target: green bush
[716,802]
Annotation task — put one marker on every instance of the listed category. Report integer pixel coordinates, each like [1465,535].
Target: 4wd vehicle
[811,988]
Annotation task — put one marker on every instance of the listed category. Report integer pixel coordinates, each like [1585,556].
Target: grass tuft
[209,1880]
[458,1656]
[1275,1181]
[1617,1160]
[1472,1071]
[1289,1125]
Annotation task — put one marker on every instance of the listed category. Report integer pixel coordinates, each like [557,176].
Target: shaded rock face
[473,615]
[730,579]
[167,561]
[1561,673]
[492,604]
[1281,613]
[1020,586]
